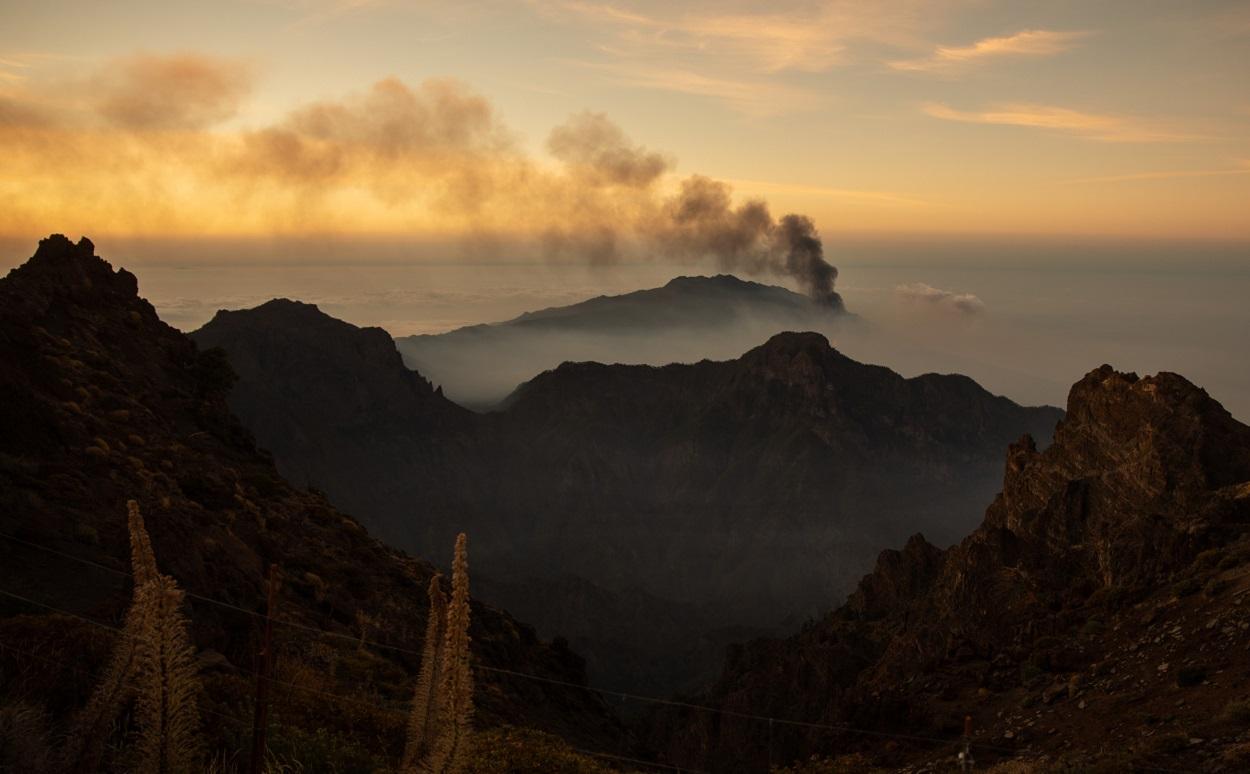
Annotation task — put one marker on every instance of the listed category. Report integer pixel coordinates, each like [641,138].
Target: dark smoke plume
[701,222]
[431,157]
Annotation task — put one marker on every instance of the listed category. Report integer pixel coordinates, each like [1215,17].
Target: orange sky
[572,123]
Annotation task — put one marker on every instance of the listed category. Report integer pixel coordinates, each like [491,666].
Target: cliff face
[1111,574]
[102,402]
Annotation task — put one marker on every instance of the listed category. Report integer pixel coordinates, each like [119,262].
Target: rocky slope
[757,489]
[686,320]
[1098,616]
[101,402]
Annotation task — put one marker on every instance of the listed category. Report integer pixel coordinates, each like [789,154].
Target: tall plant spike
[153,662]
[451,750]
[168,686]
[94,723]
[142,558]
[422,723]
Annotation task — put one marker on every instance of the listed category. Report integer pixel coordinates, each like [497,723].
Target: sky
[588,130]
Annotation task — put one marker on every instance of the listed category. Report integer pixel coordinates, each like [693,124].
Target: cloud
[1033,43]
[1242,168]
[773,41]
[430,158]
[749,95]
[1093,126]
[438,142]
[944,300]
[736,57]
[185,91]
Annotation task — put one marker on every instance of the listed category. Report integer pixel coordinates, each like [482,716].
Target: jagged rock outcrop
[1142,500]
[101,402]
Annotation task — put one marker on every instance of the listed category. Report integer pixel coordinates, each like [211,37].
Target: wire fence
[771,721]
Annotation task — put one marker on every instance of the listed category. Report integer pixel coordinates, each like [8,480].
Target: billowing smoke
[700,221]
[141,146]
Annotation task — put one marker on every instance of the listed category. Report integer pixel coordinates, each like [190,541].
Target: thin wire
[240,670]
[80,670]
[209,600]
[636,761]
[525,675]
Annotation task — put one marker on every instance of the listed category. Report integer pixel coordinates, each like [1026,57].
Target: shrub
[843,764]
[525,751]
[1189,676]
[1237,711]
[1168,744]
[1186,586]
[1216,586]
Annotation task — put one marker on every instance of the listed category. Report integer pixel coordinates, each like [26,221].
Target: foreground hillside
[101,402]
[754,490]
[1099,616]
[688,319]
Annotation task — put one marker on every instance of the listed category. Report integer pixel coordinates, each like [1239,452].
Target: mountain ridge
[689,318]
[102,402]
[1109,572]
[686,479]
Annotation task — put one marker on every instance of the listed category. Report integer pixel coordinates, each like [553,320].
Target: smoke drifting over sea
[433,159]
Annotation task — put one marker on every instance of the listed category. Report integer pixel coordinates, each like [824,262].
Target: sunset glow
[428,120]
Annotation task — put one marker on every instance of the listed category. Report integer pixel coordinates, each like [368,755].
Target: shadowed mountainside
[102,402]
[757,489]
[686,320]
[1108,581]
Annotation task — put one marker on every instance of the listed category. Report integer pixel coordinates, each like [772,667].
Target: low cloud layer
[941,300]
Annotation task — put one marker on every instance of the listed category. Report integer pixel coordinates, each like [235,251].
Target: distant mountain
[1095,619]
[337,408]
[689,319]
[101,402]
[756,489]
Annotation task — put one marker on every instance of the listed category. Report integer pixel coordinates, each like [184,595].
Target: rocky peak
[1147,482]
[899,577]
[61,268]
[100,403]
[308,344]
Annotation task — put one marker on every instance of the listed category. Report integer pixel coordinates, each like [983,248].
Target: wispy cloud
[1092,126]
[752,96]
[1242,168]
[1027,43]
[322,13]
[739,57]
[808,38]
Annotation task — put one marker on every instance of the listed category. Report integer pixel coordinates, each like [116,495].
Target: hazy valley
[655,520]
